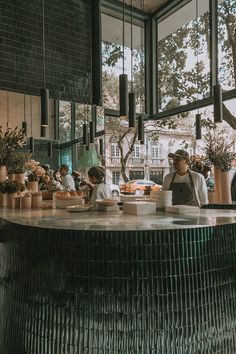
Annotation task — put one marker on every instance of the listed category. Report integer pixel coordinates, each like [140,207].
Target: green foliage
[218,146]
[10,140]
[16,162]
[13,186]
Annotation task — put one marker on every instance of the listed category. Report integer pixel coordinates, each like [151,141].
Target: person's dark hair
[65,167]
[97,172]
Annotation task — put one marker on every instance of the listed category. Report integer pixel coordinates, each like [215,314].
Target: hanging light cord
[197,30]
[7,107]
[131,34]
[44,68]
[24,107]
[123,33]
[31,119]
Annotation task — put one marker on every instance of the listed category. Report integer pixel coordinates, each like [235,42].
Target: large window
[136,152]
[183,56]
[115,152]
[64,121]
[227,46]
[112,60]
[115,177]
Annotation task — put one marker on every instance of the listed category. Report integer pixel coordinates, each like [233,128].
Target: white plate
[78,208]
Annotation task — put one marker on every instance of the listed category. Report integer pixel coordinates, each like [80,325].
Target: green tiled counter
[98,282]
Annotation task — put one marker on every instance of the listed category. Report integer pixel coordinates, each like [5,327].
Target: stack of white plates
[161,198]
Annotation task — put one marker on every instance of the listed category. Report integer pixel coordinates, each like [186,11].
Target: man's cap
[181,153]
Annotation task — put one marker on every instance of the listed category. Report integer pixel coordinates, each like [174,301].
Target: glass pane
[64,121]
[66,157]
[82,115]
[227,54]
[100,119]
[112,65]
[86,158]
[183,56]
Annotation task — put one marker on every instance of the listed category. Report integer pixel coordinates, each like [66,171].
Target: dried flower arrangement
[34,171]
[218,145]
[10,140]
[200,164]
[16,162]
[11,187]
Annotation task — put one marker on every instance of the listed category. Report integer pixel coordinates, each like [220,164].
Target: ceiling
[148,6]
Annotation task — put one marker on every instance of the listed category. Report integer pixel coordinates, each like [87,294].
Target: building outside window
[115,152]
[64,121]
[155,151]
[136,152]
[115,177]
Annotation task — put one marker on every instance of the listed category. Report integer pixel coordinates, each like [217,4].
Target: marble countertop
[99,220]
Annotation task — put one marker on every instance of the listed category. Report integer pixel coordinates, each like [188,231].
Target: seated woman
[101,190]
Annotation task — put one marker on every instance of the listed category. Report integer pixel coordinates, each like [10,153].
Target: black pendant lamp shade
[43,132]
[91,132]
[49,149]
[44,107]
[140,129]
[88,139]
[85,134]
[123,90]
[101,147]
[198,126]
[31,145]
[24,127]
[218,103]
[132,109]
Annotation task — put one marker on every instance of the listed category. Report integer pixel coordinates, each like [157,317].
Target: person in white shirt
[188,187]
[67,180]
[101,190]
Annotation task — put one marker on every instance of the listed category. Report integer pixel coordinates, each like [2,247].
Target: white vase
[33,186]
[3,173]
[20,177]
[225,183]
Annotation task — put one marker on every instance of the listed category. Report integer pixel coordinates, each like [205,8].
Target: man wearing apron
[188,187]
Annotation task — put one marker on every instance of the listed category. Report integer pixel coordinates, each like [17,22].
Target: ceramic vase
[36,201]
[20,177]
[225,183]
[217,185]
[11,176]
[3,173]
[33,186]
[26,202]
[2,200]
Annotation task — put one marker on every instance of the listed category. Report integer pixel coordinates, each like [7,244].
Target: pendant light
[92,124]
[44,92]
[101,147]
[8,108]
[50,149]
[85,128]
[132,98]
[140,130]
[218,103]
[88,139]
[198,122]
[31,139]
[198,126]
[24,123]
[85,134]
[123,78]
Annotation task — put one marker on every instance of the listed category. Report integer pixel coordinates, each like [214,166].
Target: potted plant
[16,165]
[2,194]
[218,150]
[34,172]
[10,140]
